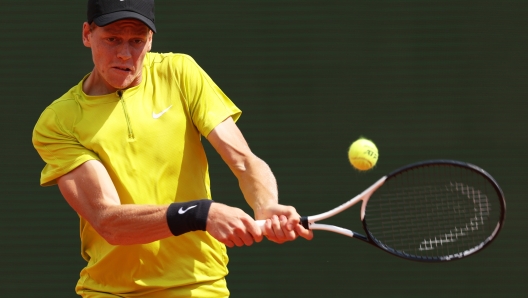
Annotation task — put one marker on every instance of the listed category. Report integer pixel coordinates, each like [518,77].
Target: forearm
[257,183]
[90,192]
[132,224]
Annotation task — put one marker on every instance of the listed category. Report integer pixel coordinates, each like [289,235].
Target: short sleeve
[57,146]
[208,105]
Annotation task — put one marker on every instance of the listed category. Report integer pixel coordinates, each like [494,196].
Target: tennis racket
[431,211]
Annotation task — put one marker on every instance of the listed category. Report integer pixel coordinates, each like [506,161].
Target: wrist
[188,216]
[262,213]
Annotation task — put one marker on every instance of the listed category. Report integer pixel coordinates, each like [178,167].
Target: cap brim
[109,18]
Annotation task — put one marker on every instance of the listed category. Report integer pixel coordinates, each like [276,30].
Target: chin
[124,84]
[122,81]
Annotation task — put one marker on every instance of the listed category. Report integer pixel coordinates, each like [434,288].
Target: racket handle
[260,223]
[303,222]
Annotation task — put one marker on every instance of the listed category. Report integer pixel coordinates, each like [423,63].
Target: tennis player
[124,146]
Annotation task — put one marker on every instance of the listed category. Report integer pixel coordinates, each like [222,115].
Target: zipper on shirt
[129,126]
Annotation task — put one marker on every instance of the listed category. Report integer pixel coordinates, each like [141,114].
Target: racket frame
[310,222]
[372,240]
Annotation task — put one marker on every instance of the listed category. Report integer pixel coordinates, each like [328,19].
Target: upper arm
[55,142]
[207,104]
[228,141]
[88,189]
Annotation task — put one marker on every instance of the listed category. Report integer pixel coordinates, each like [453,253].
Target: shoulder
[174,61]
[173,68]
[62,112]
[153,57]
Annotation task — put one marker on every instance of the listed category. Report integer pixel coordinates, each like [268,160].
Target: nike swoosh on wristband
[156,116]
[181,211]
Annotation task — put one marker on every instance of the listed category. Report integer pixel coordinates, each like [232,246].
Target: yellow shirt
[149,139]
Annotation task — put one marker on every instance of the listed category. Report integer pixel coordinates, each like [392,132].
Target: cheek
[149,46]
[100,56]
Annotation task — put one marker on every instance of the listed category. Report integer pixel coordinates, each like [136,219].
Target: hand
[282,223]
[232,226]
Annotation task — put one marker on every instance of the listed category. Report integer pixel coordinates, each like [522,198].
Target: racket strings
[433,212]
[481,206]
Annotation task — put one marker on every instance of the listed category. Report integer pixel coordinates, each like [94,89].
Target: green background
[423,79]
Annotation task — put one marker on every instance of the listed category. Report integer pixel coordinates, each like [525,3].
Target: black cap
[104,12]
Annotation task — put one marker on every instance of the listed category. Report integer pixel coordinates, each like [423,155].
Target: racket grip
[260,223]
[303,222]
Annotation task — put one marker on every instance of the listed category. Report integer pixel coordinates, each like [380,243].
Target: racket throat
[304,222]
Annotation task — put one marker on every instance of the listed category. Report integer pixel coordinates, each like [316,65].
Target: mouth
[122,68]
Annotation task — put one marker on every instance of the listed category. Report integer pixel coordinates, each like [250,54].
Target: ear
[86,35]
[149,40]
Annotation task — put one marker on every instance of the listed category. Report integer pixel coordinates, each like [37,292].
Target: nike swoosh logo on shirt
[181,211]
[156,116]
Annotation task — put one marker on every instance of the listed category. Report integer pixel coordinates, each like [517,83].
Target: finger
[277,229]
[228,243]
[246,237]
[277,226]
[246,232]
[288,234]
[236,240]
[293,221]
[305,233]
[268,229]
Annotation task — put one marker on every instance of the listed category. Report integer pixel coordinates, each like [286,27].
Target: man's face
[118,50]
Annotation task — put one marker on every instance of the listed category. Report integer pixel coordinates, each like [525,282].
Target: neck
[92,86]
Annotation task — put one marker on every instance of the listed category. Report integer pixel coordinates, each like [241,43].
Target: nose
[123,52]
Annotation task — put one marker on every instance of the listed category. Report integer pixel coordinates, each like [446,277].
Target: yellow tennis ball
[363,154]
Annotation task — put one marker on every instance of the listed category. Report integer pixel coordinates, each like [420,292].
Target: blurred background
[422,79]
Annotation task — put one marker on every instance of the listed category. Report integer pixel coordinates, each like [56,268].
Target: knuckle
[246,219]
[239,230]
[238,211]
[290,209]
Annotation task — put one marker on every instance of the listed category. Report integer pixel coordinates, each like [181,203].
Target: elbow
[112,238]
[242,165]
[105,227]
[107,234]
